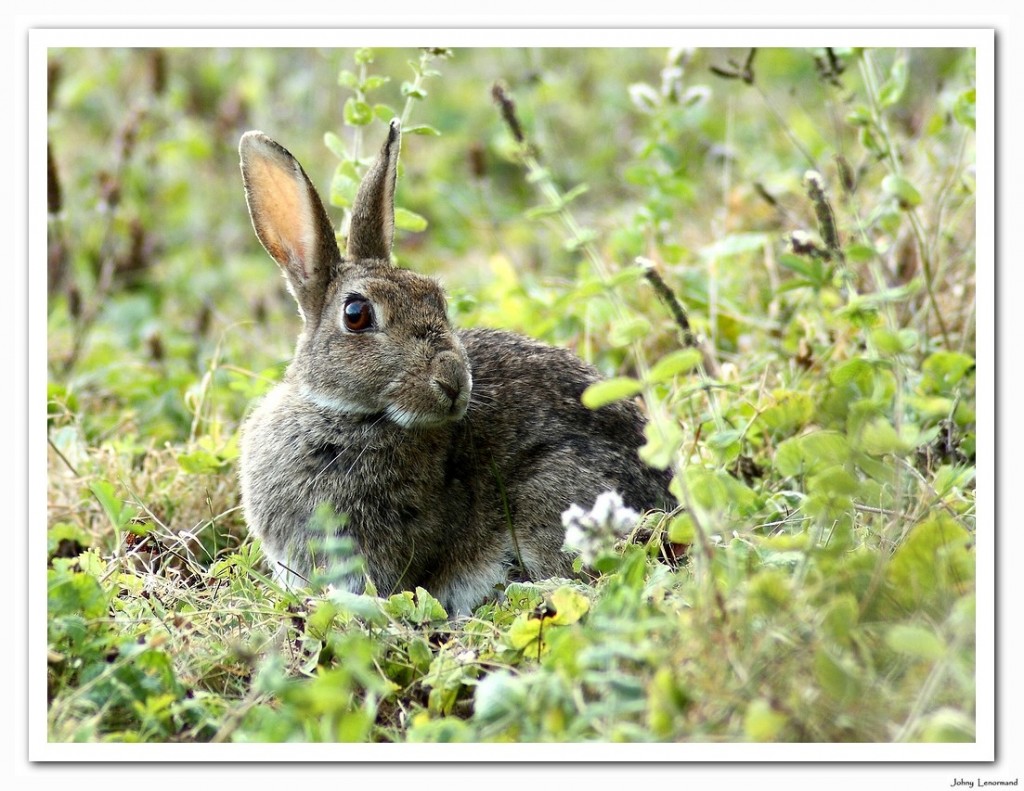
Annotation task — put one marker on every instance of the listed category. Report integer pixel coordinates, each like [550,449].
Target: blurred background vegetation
[167,320]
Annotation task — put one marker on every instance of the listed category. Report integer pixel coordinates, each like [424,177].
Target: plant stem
[867,70]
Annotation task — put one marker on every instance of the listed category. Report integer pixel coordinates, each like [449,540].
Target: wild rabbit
[451,453]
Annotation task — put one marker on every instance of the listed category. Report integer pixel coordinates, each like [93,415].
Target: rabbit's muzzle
[453,382]
[439,395]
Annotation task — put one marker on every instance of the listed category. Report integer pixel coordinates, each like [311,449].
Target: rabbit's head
[376,339]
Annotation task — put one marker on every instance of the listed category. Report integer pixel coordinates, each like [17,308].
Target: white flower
[591,533]
[644,97]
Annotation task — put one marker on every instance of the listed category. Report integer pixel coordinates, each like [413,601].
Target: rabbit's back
[529,427]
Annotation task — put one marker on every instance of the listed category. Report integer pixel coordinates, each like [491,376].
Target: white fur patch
[334,403]
[407,419]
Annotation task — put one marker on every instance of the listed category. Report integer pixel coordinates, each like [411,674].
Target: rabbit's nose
[450,389]
[452,381]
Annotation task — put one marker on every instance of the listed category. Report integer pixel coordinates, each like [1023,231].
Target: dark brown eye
[357,314]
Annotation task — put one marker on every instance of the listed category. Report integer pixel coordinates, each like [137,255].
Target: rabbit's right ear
[289,220]
[372,229]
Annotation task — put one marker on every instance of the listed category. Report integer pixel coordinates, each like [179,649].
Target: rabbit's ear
[290,220]
[373,212]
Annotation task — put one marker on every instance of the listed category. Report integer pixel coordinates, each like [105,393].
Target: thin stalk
[867,70]
[425,58]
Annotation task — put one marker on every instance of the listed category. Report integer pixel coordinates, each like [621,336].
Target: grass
[817,586]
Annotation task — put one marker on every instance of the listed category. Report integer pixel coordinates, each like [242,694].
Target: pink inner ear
[282,215]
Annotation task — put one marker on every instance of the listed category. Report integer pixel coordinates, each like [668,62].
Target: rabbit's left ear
[373,211]
[289,220]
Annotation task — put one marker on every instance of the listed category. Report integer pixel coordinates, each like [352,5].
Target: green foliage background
[818,585]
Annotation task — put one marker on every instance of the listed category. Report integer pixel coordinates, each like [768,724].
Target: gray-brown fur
[452,453]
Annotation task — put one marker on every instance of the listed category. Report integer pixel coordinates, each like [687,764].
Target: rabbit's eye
[357,314]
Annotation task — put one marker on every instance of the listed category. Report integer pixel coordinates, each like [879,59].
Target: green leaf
[420,654]
[608,391]
[446,730]
[583,237]
[347,169]
[400,605]
[892,89]
[428,609]
[682,530]
[934,564]
[860,253]
[664,438]
[720,440]
[841,616]
[964,108]
[365,607]
[373,82]
[318,622]
[811,268]
[835,677]
[574,193]
[347,79]
[336,145]
[570,605]
[673,364]
[627,275]
[905,193]
[943,371]
[769,592]
[558,202]
[811,453]
[384,112]
[626,330]
[422,129]
[916,641]
[870,141]
[762,723]
[717,492]
[952,479]
[933,407]
[548,210]
[71,592]
[524,632]
[418,608]
[850,370]
[499,696]
[860,115]
[413,91]
[791,411]
[68,534]
[947,725]
[343,189]
[886,296]
[357,112]
[888,342]
[200,462]
[409,220]
[879,438]
[118,512]
[833,481]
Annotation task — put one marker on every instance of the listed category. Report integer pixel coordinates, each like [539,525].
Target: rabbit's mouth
[430,399]
[445,403]
[415,420]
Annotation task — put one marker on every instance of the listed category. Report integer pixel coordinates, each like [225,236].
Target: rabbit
[451,454]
